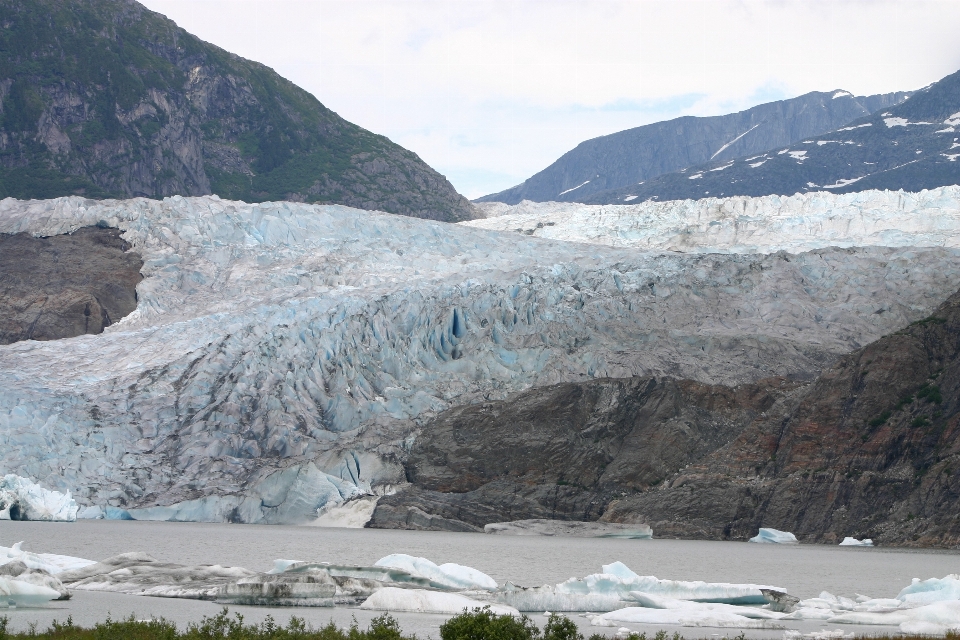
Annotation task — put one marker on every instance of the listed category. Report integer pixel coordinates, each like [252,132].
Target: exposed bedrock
[65,285]
[282,355]
[565,451]
[869,449]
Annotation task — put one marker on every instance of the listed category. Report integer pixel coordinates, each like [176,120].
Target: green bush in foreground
[481,624]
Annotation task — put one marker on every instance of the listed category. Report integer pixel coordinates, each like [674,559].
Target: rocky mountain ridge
[625,158]
[104,98]
[910,146]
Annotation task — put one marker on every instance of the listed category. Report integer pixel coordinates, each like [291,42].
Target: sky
[489,92]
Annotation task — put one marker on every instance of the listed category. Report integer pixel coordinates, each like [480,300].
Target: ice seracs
[24,499]
[774,536]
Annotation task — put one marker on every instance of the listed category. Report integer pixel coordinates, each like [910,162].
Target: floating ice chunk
[24,594]
[618,580]
[853,542]
[945,613]
[451,575]
[24,499]
[658,602]
[547,598]
[280,565]
[422,601]
[315,590]
[932,590]
[686,617]
[774,536]
[49,562]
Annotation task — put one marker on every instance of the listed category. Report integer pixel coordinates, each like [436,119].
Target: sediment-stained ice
[742,224]
[48,562]
[774,536]
[24,499]
[454,576]
[284,353]
[421,601]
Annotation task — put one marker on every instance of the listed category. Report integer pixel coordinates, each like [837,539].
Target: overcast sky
[489,92]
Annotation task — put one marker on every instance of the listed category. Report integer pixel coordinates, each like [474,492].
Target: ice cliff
[281,355]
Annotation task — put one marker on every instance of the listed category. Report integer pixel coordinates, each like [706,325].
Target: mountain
[869,449]
[911,146]
[632,156]
[105,98]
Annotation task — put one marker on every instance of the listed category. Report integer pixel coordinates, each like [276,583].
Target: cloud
[491,91]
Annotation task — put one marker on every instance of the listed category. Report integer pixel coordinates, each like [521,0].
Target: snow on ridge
[574,188]
[281,354]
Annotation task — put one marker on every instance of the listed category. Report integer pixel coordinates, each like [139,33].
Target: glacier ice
[48,562]
[454,576]
[354,514]
[741,224]
[285,353]
[24,499]
[932,590]
[684,617]
[25,594]
[774,536]
[422,601]
[853,542]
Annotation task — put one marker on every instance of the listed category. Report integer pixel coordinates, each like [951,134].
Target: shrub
[482,624]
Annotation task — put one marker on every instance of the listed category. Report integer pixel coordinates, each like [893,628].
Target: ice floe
[24,499]
[684,617]
[853,542]
[774,536]
[24,594]
[422,601]
[932,590]
[49,562]
[450,575]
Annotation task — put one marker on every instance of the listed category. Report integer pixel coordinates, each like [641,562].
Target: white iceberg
[422,601]
[451,575]
[617,580]
[932,590]
[658,602]
[942,616]
[24,499]
[25,594]
[685,617]
[547,598]
[774,536]
[49,562]
[853,542]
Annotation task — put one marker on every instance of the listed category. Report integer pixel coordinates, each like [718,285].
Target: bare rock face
[65,286]
[565,451]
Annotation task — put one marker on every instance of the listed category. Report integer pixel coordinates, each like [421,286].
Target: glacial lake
[803,570]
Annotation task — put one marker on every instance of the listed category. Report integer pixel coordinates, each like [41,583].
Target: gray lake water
[803,570]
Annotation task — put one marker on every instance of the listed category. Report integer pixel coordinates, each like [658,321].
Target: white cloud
[491,91]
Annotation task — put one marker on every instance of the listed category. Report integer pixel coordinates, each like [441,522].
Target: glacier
[742,224]
[282,355]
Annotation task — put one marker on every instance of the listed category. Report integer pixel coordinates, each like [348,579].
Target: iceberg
[25,594]
[421,601]
[683,617]
[774,536]
[853,542]
[290,349]
[932,590]
[450,575]
[48,562]
[942,616]
[24,499]
[280,591]
[617,580]
[547,598]
[658,602]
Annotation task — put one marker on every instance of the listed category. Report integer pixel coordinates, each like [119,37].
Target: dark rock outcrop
[625,158]
[105,98]
[870,449]
[565,451]
[65,286]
